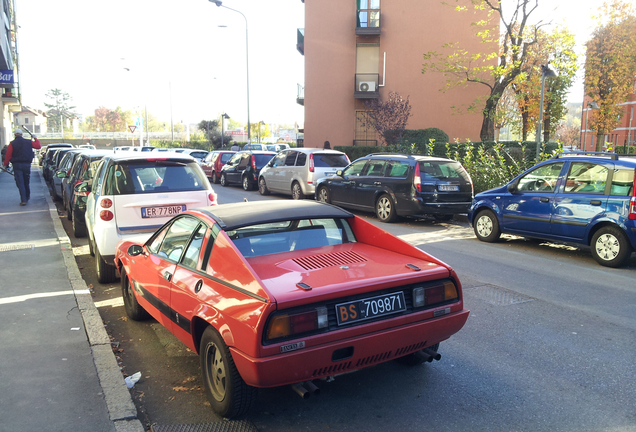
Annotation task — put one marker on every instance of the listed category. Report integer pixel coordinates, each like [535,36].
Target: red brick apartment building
[356,50]
[624,132]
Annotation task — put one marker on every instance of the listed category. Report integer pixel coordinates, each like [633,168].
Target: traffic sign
[132,128]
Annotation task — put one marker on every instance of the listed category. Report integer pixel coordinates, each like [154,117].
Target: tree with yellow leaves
[610,66]
[555,48]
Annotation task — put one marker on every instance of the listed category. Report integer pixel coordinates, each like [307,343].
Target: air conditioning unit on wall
[366,86]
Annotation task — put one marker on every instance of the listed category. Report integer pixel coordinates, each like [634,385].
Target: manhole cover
[497,296]
[223,426]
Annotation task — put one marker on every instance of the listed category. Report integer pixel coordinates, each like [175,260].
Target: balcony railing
[367,86]
[300,40]
[368,18]
[300,96]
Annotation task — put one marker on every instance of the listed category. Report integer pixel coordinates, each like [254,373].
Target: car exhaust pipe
[301,390]
[309,385]
[434,354]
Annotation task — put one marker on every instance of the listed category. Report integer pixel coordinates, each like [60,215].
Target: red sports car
[285,292]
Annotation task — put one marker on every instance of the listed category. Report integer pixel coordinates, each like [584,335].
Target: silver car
[295,171]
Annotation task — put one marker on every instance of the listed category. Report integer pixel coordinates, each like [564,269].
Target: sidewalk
[57,368]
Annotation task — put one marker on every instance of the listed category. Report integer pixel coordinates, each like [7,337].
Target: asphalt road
[549,346]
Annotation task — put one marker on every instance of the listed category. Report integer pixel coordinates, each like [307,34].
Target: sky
[186,59]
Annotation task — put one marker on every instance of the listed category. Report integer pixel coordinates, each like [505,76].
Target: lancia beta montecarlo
[274,293]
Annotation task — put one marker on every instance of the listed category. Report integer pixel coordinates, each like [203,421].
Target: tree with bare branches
[504,57]
[389,118]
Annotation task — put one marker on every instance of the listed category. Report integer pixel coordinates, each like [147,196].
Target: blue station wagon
[577,198]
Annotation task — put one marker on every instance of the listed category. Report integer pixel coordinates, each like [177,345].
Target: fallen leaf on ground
[180,388]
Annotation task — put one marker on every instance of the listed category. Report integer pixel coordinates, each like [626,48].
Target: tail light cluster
[632,203]
[289,325]
[106,215]
[417,179]
[435,295]
[311,162]
[253,162]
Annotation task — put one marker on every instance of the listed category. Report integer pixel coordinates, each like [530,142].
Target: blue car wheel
[486,226]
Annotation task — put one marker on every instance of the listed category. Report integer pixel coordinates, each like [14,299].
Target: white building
[32,119]
[9,90]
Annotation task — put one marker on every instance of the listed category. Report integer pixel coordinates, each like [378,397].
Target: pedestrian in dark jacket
[20,154]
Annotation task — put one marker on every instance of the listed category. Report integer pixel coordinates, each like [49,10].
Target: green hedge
[441,149]
[489,164]
[621,150]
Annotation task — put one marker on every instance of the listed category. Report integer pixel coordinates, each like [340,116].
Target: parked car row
[390,185]
[275,293]
[576,198]
[152,220]
[111,196]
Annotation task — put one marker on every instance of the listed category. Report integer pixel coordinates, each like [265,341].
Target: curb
[121,409]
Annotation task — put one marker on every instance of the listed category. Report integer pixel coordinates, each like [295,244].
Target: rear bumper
[367,350]
[418,206]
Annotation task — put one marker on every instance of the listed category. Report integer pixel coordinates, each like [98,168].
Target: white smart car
[133,194]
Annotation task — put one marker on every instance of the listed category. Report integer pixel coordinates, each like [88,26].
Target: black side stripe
[162,307]
[229,285]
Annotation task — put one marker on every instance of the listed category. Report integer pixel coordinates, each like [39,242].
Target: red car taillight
[632,209]
[417,180]
[253,162]
[311,162]
[285,325]
[632,203]
[435,295]
[212,198]
[106,215]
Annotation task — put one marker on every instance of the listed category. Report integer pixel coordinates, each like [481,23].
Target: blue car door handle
[595,202]
[544,199]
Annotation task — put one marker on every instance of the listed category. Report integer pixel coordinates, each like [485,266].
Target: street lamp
[219,3]
[140,118]
[546,72]
[259,130]
[590,105]
[223,117]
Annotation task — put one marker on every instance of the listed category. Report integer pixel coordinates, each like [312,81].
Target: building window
[26,120]
[368,13]
[365,134]
[367,65]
